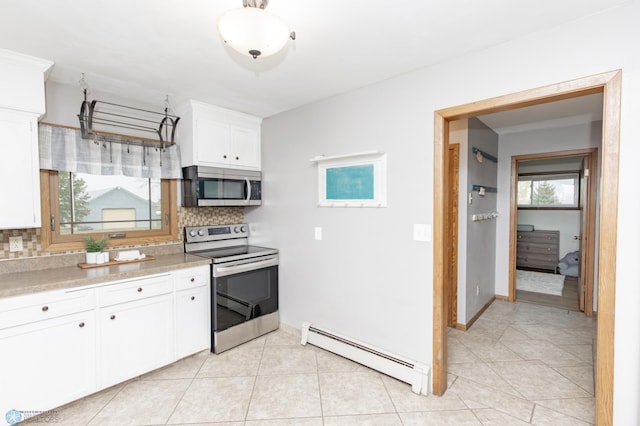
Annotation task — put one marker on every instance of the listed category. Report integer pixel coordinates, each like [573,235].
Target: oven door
[243,290]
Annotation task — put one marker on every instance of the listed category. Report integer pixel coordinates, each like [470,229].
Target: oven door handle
[227,270]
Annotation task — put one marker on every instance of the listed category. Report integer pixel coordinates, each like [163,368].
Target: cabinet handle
[192,279]
[81,325]
[112,317]
[224,156]
[193,298]
[139,289]
[237,158]
[45,308]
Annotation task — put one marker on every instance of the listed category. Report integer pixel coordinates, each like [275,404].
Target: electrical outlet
[317,233]
[15,244]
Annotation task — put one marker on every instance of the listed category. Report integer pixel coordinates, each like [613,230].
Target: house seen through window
[90,203]
[126,209]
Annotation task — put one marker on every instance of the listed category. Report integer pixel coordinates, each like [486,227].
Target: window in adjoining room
[549,191]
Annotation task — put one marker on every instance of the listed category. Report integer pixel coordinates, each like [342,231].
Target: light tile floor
[518,364]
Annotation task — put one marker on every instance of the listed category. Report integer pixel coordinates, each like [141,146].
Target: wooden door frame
[609,84]
[590,213]
[452,235]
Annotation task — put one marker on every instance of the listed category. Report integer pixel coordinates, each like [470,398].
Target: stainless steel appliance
[244,283]
[212,186]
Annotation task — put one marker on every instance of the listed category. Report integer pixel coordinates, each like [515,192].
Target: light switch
[318,233]
[422,232]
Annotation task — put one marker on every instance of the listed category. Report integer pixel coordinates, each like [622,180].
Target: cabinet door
[245,147]
[212,141]
[19,164]
[47,363]
[135,337]
[193,323]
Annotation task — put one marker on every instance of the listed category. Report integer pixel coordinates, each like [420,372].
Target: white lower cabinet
[193,310]
[47,363]
[56,347]
[192,321]
[134,338]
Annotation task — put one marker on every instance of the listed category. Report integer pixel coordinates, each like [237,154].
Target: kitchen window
[129,210]
[549,191]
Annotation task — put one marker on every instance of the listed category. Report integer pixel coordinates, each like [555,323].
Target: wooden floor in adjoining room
[569,300]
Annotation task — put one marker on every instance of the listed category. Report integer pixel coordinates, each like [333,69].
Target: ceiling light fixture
[253,31]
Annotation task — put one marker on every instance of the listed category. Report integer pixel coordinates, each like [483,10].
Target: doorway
[576,169]
[610,85]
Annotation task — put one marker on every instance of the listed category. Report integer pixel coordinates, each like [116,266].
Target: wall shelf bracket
[481,154]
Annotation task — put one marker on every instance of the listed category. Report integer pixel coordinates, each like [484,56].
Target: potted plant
[94,247]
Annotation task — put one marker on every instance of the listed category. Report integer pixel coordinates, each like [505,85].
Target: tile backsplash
[187,216]
[199,216]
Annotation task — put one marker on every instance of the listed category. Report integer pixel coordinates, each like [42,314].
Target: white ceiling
[580,110]
[144,49]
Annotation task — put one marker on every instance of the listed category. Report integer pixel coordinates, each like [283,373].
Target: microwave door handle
[248,183]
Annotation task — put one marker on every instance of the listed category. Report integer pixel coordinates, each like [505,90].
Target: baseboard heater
[417,375]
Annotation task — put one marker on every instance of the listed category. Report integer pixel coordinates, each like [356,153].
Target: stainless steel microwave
[213,186]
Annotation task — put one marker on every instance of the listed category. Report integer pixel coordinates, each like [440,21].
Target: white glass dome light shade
[253,31]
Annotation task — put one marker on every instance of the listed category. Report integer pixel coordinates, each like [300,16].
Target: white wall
[64,101]
[368,278]
[478,283]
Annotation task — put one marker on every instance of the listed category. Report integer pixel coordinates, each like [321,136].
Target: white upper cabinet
[21,104]
[217,137]
[19,165]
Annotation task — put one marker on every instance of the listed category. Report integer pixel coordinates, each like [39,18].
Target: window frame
[53,241]
[548,175]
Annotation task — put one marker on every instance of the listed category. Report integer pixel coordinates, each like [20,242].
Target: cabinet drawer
[545,237]
[41,306]
[128,291]
[193,277]
[540,261]
[538,248]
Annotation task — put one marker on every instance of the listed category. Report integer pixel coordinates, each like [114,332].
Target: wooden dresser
[538,250]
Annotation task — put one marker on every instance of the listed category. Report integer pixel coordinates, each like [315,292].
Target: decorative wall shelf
[481,154]
[481,188]
[353,156]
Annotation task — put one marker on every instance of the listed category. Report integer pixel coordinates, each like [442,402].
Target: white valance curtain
[64,149]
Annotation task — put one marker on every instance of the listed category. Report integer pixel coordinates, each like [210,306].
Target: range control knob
[243,229]
[236,229]
[201,232]
[193,233]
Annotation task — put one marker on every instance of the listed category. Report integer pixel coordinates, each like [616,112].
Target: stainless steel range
[244,283]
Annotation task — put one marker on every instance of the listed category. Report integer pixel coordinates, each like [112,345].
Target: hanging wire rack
[102,121]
